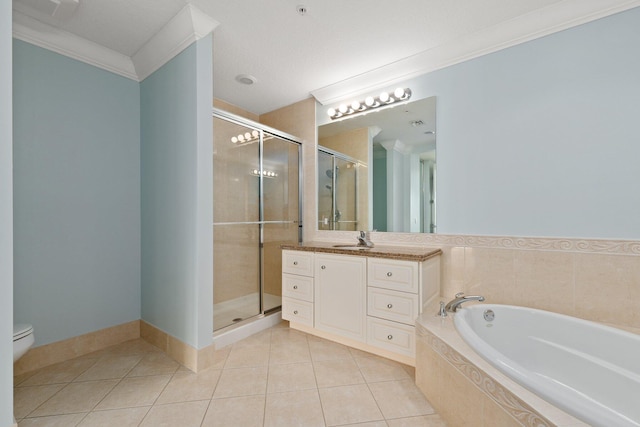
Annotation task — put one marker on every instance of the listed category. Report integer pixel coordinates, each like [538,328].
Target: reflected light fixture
[265,173]
[369,103]
[245,138]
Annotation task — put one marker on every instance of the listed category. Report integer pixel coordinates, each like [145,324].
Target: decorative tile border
[617,247]
[519,410]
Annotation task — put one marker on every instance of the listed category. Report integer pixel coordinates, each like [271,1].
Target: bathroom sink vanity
[365,298]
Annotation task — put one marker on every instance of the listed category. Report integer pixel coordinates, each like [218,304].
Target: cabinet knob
[389,337]
[323,267]
[296,312]
[295,262]
[389,274]
[389,305]
[295,286]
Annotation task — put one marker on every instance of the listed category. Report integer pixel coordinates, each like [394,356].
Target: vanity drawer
[391,336]
[393,305]
[393,274]
[298,287]
[297,311]
[297,262]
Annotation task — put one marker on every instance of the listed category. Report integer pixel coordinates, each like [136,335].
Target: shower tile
[452,274]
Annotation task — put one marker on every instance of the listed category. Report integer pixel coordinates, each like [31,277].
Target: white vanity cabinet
[340,295]
[297,287]
[367,300]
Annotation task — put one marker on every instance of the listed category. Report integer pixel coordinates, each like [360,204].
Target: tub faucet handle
[442,312]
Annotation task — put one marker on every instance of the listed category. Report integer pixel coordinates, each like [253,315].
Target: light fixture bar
[369,103]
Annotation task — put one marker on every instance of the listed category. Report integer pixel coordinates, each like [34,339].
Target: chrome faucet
[363,239]
[453,305]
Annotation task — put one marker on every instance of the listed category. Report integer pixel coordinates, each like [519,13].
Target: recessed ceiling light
[246,79]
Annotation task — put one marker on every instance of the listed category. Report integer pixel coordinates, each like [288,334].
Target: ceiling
[291,55]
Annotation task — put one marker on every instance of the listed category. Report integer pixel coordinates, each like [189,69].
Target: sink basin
[351,246]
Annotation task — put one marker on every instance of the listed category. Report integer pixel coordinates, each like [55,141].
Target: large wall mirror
[377,171]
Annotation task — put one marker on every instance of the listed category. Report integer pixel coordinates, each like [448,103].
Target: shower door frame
[263,129]
[338,155]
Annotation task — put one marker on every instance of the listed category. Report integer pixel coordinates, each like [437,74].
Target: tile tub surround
[463,387]
[278,377]
[582,278]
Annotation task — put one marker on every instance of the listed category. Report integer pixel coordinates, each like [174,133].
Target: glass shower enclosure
[256,208]
[337,191]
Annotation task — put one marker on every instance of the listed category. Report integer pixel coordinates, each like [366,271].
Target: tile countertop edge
[389,252]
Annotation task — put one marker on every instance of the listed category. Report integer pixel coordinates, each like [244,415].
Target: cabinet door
[340,295]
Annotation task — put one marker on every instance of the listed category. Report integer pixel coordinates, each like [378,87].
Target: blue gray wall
[176,179]
[76,195]
[540,139]
[6,220]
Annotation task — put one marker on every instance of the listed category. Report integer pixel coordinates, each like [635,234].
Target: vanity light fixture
[245,138]
[369,103]
[265,173]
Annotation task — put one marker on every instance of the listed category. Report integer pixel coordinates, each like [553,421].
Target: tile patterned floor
[279,377]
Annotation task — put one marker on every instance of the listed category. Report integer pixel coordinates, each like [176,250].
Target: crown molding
[559,16]
[59,41]
[188,26]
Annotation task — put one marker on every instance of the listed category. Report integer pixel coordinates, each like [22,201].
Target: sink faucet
[363,239]
[453,305]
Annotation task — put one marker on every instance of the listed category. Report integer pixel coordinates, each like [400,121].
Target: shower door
[256,209]
[337,191]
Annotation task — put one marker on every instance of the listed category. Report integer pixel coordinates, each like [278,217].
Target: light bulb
[255,133]
[255,171]
[384,97]
[355,105]
[234,140]
[399,93]
[241,138]
[331,112]
[343,108]
[247,136]
[369,101]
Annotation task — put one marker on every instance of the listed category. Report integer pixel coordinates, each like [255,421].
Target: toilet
[22,340]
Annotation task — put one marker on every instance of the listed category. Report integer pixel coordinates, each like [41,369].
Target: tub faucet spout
[453,305]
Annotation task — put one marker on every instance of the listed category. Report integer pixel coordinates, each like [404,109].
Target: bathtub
[587,369]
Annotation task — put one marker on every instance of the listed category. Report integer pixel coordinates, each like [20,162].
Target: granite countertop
[391,252]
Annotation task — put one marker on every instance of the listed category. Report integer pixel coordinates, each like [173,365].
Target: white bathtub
[587,369]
